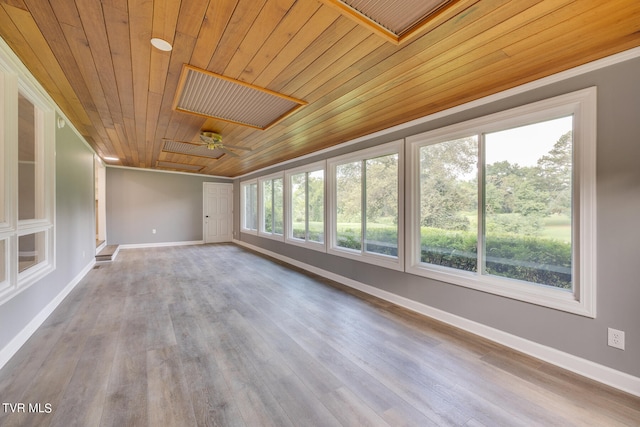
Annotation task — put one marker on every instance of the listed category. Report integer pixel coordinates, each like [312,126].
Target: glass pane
[250,206]
[30,250]
[278,206]
[298,206]
[448,204]
[349,205]
[27,160]
[381,235]
[528,186]
[267,206]
[316,206]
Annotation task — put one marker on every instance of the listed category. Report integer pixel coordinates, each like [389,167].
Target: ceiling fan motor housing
[211,136]
[212,139]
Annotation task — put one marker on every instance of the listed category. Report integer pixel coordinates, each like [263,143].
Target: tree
[382,188]
[445,172]
[316,197]
[556,172]
[349,192]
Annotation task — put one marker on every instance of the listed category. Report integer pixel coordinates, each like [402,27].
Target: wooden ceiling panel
[265,24]
[296,19]
[96,61]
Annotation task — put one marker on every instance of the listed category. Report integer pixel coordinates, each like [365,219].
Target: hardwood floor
[217,335]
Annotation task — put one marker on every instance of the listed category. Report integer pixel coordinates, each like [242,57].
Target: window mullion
[273,206]
[481,205]
[306,206]
[363,208]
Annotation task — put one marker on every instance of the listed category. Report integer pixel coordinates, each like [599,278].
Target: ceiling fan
[212,141]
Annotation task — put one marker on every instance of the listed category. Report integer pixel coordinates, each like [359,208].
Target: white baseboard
[101,247]
[620,380]
[160,245]
[18,341]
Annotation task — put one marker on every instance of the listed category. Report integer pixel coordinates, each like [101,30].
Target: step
[108,253]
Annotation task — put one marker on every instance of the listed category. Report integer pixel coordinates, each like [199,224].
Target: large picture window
[367,205]
[305,212]
[499,203]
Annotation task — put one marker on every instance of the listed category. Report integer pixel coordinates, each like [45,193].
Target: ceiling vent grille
[191,149]
[211,95]
[396,20]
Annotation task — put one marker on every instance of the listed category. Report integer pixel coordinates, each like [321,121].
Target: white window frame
[12,83]
[395,263]
[261,207]
[582,105]
[314,167]
[243,202]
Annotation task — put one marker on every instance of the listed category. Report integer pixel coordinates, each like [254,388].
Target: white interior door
[218,212]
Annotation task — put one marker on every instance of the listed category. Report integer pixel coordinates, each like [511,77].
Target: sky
[526,144]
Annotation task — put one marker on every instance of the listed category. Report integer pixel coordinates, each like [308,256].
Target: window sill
[545,296]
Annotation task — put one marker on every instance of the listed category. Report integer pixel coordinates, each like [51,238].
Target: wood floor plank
[168,400]
[83,402]
[126,401]
[209,392]
[257,403]
[218,335]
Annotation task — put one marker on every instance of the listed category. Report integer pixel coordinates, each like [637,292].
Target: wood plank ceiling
[95,59]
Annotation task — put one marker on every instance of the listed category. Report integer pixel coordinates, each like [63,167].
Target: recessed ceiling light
[111,159]
[161,44]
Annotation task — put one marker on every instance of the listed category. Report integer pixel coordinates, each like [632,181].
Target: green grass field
[555,227]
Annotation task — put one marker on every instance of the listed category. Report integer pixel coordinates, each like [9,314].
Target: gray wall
[75,235]
[618,186]
[138,201]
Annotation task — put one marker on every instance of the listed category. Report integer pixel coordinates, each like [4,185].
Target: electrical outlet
[153,231]
[616,338]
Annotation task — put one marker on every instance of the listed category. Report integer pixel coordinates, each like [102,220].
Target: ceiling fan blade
[197,147]
[235,147]
[231,153]
[184,142]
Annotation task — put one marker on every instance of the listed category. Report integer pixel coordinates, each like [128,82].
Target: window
[272,206]
[249,208]
[305,212]
[366,205]
[26,185]
[506,203]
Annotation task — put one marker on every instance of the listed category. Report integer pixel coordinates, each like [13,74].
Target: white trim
[386,149]
[536,84]
[101,247]
[226,178]
[17,82]
[243,207]
[288,231]
[261,208]
[603,374]
[161,245]
[582,105]
[21,338]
